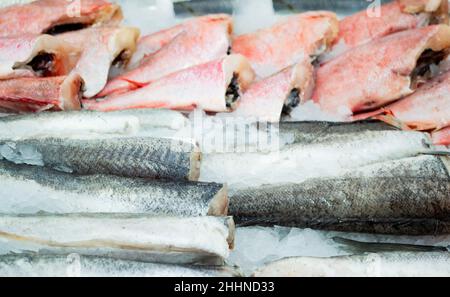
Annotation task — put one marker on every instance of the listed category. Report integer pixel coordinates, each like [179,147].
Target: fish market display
[78,124]
[32,265]
[396,264]
[202,40]
[380,72]
[216,86]
[205,240]
[35,56]
[28,189]
[144,157]
[55,16]
[101,47]
[396,16]
[442,137]
[427,109]
[21,95]
[267,99]
[301,36]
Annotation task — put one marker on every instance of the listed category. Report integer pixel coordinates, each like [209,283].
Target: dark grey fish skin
[341,6]
[129,157]
[34,265]
[315,132]
[395,205]
[30,189]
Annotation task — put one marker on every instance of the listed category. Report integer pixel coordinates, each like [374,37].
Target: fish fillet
[375,74]
[201,41]
[267,99]
[35,55]
[393,17]
[172,240]
[56,16]
[22,95]
[288,42]
[395,264]
[442,137]
[215,87]
[34,265]
[101,48]
[144,157]
[30,189]
[427,109]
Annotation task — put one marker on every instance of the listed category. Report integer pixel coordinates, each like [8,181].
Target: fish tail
[389,118]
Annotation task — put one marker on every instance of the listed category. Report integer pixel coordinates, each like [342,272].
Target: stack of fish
[124,190]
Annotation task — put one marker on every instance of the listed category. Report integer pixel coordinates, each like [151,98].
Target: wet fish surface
[143,157]
[201,240]
[30,189]
[399,264]
[32,265]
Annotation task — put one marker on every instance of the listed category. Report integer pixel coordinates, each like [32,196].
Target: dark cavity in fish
[64,28]
[423,71]
[233,92]
[292,101]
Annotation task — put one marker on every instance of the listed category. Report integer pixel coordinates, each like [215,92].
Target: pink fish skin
[204,86]
[204,41]
[393,17]
[35,55]
[442,137]
[42,16]
[23,95]
[274,49]
[100,48]
[152,43]
[265,100]
[377,73]
[427,109]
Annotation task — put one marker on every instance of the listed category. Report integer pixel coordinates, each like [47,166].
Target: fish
[34,265]
[154,42]
[156,239]
[24,95]
[55,16]
[268,99]
[35,56]
[378,73]
[297,162]
[396,264]
[215,87]
[144,157]
[442,137]
[201,41]
[80,124]
[402,198]
[393,17]
[101,48]
[29,190]
[426,110]
[273,49]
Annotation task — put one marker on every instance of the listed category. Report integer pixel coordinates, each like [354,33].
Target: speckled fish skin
[144,157]
[427,109]
[171,240]
[376,74]
[202,41]
[273,49]
[265,100]
[17,56]
[43,15]
[101,47]
[75,124]
[33,265]
[442,137]
[395,264]
[394,17]
[45,190]
[24,95]
[152,43]
[203,86]
[410,205]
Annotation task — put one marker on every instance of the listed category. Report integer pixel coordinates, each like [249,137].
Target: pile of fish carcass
[100,169]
